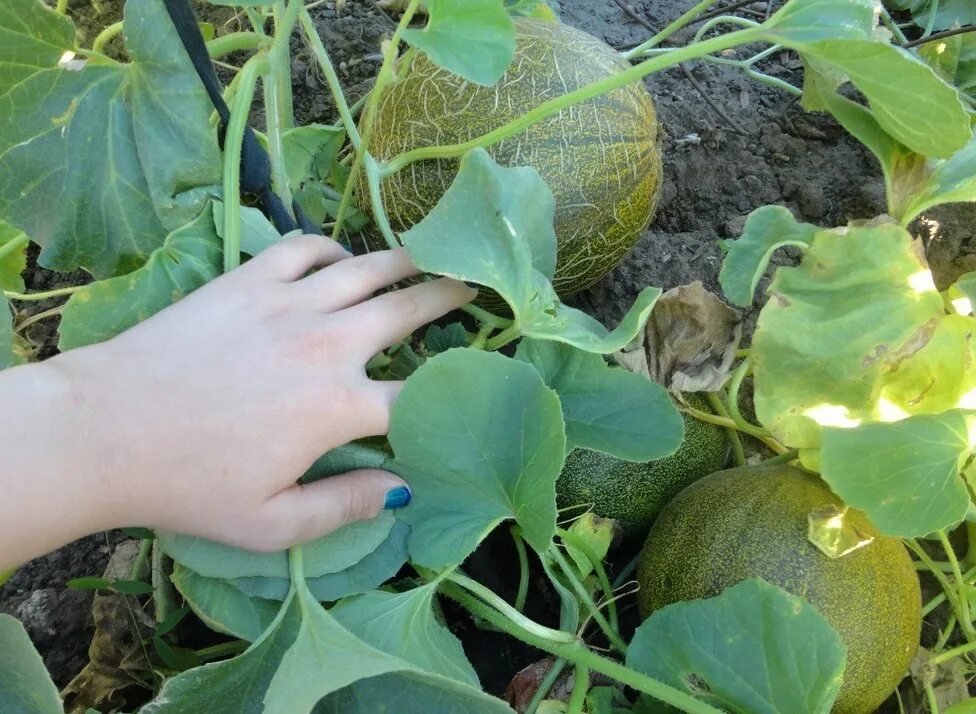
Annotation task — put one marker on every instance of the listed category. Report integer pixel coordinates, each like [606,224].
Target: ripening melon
[599,158]
[752,523]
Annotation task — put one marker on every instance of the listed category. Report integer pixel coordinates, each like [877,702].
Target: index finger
[384,320]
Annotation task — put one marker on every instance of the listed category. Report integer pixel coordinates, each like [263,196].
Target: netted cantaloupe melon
[600,157]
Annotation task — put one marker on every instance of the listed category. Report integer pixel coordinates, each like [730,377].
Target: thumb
[304,512]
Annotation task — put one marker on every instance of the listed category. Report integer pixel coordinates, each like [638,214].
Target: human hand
[200,419]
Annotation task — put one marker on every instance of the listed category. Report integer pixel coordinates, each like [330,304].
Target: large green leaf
[100,161]
[13,258]
[404,625]
[948,14]
[754,649]
[803,21]
[309,151]
[223,607]
[330,554]
[605,408]
[908,98]
[857,333]
[471,38]
[190,257]
[767,229]
[480,439]
[303,657]
[369,573]
[25,685]
[493,226]
[257,232]
[904,475]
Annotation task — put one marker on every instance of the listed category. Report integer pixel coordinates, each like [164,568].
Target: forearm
[52,489]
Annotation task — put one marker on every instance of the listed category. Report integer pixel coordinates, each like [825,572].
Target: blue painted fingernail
[397,498]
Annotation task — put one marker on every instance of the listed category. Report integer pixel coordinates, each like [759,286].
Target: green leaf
[907,97]
[257,232]
[403,625]
[309,151]
[439,339]
[767,229]
[190,257]
[949,13]
[302,658]
[805,21]
[177,659]
[222,607]
[13,257]
[171,621]
[493,226]
[951,181]
[594,532]
[857,332]
[89,583]
[480,439]
[471,38]
[348,457]
[754,649]
[605,408]
[25,685]
[124,152]
[904,475]
[330,554]
[368,574]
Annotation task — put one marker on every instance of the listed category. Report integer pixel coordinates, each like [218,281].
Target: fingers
[293,257]
[302,513]
[366,409]
[380,322]
[351,281]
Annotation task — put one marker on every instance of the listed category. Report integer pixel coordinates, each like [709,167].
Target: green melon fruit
[752,522]
[600,157]
[634,493]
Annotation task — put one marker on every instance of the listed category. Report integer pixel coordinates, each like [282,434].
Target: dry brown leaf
[948,680]
[117,660]
[689,342]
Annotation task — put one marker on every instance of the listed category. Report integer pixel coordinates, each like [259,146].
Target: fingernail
[397,498]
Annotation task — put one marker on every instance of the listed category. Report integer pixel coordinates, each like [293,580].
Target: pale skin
[200,419]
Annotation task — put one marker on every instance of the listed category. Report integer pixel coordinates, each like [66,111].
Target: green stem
[235,42]
[580,655]
[946,632]
[509,612]
[523,558]
[931,698]
[145,547]
[232,159]
[62,7]
[163,594]
[892,26]
[944,567]
[5,575]
[383,78]
[581,684]
[941,597]
[314,43]
[601,573]
[546,684]
[375,202]
[954,652]
[970,558]
[965,618]
[485,317]
[786,458]
[224,649]
[947,588]
[277,101]
[106,36]
[584,596]
[735,384]
[507,335]
[478,343]
[46,295]
[553,106]
[716,403]
[722,20]
[664,34]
